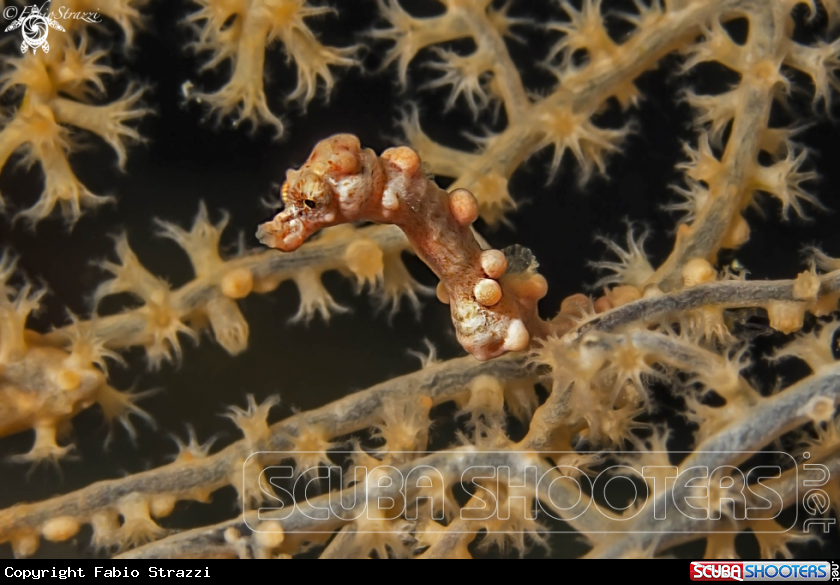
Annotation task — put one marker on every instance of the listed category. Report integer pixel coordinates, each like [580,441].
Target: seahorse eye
[310,203]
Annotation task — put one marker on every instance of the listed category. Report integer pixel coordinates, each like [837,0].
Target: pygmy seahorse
[493,308]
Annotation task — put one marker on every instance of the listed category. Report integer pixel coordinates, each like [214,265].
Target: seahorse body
[341,183]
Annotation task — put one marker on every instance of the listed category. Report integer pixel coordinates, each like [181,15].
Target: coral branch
[724,294]
[353,251]
[769,419]
[562,119]
[196,479]
[240,31]
[47,81]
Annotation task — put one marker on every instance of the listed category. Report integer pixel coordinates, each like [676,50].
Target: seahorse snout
[284,232]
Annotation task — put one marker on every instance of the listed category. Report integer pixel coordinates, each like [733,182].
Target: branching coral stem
[703,238]
[268,267]
[508,81]
[790,486]
[723,294]
[438,382]
[650,346]
[450,463]
[210,541]
[578,96]
[767,421]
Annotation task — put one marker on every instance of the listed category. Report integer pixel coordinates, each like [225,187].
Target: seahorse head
[311,194]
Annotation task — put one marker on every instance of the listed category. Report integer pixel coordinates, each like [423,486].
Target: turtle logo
[36,26]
